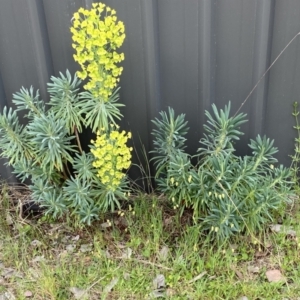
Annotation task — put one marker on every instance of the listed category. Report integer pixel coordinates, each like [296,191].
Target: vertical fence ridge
[40,44]
[206,57]
[150,24]
[261,61]
[5,171]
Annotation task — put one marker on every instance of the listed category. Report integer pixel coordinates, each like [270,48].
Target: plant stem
[67,168]
[78,140]
[295,158]
[65,176]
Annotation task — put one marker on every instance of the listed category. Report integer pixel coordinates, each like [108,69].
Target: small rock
[28,294]
[281,229]
[70,248]
[159,282]
[274,276]
[75,238]
[7,296]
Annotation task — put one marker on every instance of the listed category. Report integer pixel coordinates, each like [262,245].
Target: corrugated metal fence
[186,54]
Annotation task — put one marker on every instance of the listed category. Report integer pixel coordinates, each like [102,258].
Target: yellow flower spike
[111,156]
[89,32]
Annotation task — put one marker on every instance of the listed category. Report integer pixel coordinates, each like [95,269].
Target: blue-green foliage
[229,194]
[44,150]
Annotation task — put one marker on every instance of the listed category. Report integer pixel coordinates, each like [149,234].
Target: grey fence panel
[24,57]
[237,42]
[58,15]
[24,50]
[179,42]
[186,54]
[284,86]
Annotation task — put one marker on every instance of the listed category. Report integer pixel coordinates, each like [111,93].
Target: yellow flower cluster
[112,156]
[96,39]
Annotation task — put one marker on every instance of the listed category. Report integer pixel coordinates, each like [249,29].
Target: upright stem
[67,168]
[78,140]
[296,157]
[64,174]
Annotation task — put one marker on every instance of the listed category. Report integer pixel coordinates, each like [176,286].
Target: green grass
[145,240]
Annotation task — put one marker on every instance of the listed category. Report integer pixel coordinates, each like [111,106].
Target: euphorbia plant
[47,150]
[229,194]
